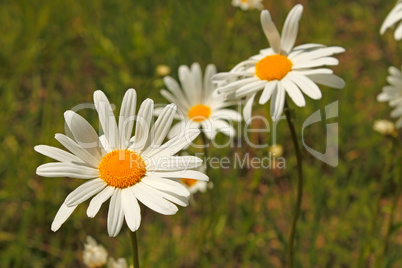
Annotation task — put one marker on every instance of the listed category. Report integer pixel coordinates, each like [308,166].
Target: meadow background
[54,54]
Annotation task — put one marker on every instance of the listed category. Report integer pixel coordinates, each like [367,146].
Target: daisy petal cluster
[194,186]
[392,93]
[393,18]
[248,4]
[281,69]
[198,106]
[120,168]
[94,255]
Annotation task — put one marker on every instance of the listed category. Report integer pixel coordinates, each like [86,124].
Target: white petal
[107,119]
[98,200]
[61,216]
[126,118]
[186,83]
[172,163]
[267,92]
[177,199]
[80,152]
[250,88]
[84,192]
[227,114]
[64,169]
[316,54]
[293,92]
[277,102]
[143,123]
[152,198]
[236,84]
[224,127]
[305,84]
[162,125]
[330,80]
[174,87]
[188,174]
[330,61]
[197,81]
[270,31]
[248,107]
[83,133]
[131,209]
[209,87]
[115,215]
[177,129]
[166,185]
[290,28]
[57,154]
[174,100]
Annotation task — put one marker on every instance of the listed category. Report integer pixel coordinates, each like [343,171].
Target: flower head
[194,186]
[393,94]
[248,4]
[94,255]
[393,18]
[281,69]
[385,127]
[198,106]
[125,169]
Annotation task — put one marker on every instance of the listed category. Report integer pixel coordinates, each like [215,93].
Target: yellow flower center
[122,168]
[189,182]
[199,112]
[273,67]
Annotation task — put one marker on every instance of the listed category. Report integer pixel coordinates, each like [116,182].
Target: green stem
[134,248]
[299,187]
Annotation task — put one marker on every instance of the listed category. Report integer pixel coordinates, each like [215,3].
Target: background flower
[394,18]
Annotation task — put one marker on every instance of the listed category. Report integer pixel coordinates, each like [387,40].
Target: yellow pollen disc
[199,113]
[189,182]
[273,67]
[121,168]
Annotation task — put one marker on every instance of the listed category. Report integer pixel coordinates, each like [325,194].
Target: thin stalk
[134,247]
[297,208]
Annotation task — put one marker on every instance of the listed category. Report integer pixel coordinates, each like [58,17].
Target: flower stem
[299,187]
[134,248]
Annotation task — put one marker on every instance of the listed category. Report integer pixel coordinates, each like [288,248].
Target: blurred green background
[55,54]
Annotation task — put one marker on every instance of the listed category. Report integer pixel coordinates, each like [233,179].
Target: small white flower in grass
[248,4]
[385,127]
[281,69]
[94,255]
[198,106]
[127,172]
[119,263]
[393,94]
[393,18]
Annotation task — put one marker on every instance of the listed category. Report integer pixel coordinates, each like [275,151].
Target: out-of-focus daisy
[198,107]
[94,255]
[393,94]
[385,127]
[194,186]
[119,169]
[281,69]
[248,4]
[162,70]
[393,18]
[119,263]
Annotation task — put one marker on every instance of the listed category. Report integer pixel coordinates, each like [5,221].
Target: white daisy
[114,168]
[281,68]
[394,17]
[248,4]
[198,107]
[393,94]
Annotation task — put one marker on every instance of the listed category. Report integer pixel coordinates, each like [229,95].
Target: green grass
[55,54]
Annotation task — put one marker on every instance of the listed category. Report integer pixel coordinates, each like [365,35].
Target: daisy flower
[394,17]
[248,4]
[281,69]
[198,106]
[113,167]
[94,255]
[393,94]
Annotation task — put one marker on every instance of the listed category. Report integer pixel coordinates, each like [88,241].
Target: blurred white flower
[281,69]
[385,127]
[276,150]
[119,263]
[393,18]
[94,255]
[393,94]
[198,107]
[194,186]
[122,169]
[248,4]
